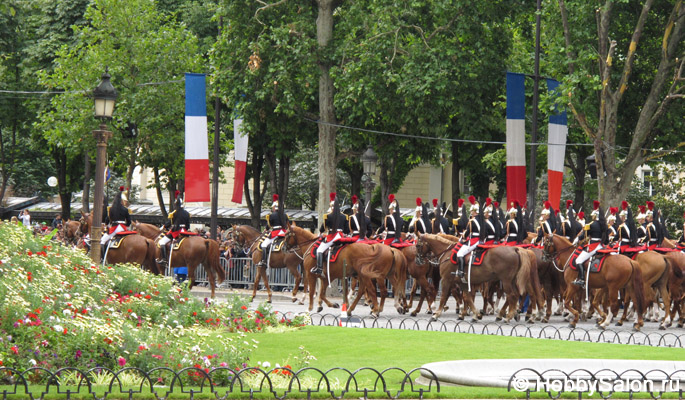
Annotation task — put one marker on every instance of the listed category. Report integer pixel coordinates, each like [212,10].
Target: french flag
[196,153]
[516,138]
[556,148]
[240,151]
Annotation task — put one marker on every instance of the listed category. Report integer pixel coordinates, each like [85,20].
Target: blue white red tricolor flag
[240,150]
[556,148]
[516,138]
[196,149]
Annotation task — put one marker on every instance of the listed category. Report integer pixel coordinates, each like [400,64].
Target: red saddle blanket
[401,245]
[124,233]
[596,261]
[663,250]
[478,254]
[333,251]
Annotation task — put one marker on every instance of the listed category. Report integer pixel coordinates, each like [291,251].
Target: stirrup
[579,282]
[316,270]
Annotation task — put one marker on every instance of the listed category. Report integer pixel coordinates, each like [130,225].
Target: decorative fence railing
[658,339]
[605,382]
[102,383]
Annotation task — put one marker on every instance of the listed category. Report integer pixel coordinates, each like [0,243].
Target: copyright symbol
[520,384]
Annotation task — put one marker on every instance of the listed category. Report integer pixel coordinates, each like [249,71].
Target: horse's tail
[150,257]
[638,288]
[525,272]
[212,259]
[676,269]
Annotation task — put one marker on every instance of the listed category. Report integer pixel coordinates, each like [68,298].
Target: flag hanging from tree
[516,138]
[196,142]
[240,150]
[556,148]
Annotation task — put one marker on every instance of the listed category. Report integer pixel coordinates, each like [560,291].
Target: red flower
[244,307]
[129,310]
[147,296]
[194,313]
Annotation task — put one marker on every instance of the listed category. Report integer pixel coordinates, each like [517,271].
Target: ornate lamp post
[369,160]
[105,96]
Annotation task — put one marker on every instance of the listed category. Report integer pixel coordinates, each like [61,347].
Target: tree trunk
[255,206]
[356,173]
[327,133]
[60,157]
[284,177]
[456,167]
[130,169]
[85,200]
[160,195]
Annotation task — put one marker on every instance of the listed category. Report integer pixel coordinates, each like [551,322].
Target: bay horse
[513,266]
[71,232]
[193,251]
[367,261]
[134,248]
[249,239]
[148,230]
[618,272]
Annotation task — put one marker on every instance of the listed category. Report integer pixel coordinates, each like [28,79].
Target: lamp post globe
[105,96]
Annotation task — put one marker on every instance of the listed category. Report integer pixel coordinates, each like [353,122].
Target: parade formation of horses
[249,239]
[514,267]
[133,248]
[74,231]
[368,262]
[617,272]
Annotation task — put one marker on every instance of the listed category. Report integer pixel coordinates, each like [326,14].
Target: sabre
[448,208]
[367,206]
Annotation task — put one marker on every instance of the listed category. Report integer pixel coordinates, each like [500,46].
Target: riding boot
[318,270]
[162,255]
[460,272]
[580,281]
[262,261]
[103,249]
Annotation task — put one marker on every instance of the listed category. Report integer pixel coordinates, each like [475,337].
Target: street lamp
[369,160]
[105,96]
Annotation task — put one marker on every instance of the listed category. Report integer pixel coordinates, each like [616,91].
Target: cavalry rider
[335,224]
[179,220]
[439,224]
[471,235]
[357,221]
[641,228]
[457,228]
[545,227]
[652,228]
[515,232]
[566,228]
[420,222]
[277,223]
[612,233]
[392,224]
[627,234]
[118,218]
[596,230]
[491,233]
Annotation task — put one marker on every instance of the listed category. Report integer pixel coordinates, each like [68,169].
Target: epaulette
[325,216]
[171,214]
[268,217]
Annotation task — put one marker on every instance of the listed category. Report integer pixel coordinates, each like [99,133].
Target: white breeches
[164,240]
[107,236]
[466,249]
[267,242]
[327,245]
[584,256]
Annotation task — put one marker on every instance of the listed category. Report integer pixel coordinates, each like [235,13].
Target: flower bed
[58,310]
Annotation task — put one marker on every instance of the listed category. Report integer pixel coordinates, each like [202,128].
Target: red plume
[355,199]
[418,201]
[642,209]
[581,215]
[275,197]
[569,203]
[127,189]
[472,199]
[548,204]
[650,205]
[496,204]
[613,210]
[121,188]
[516,203]
[488,201]
[176,193]
[624,205]
[595,204]
[391,197]
[557,212]
[332,196]
[460,203]
[435,202]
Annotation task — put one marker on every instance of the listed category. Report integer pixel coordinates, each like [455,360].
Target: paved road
[390,318]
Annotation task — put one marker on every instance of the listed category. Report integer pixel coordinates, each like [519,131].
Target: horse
[192,251]
[86,222]
[134,248]
[366,261]
[513,266]
[618,272]
[148,230]
[249,239]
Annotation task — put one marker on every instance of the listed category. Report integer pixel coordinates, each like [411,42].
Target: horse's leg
[370,290]
[470,304]
[311,281]
[265,278]
[569,296]
[447,281]
[626,301]
[258,276]
[612,295]
[512,300]
[296,274]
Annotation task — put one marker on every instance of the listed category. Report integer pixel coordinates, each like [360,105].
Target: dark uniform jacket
[512,230]
[641,234]
[273,221]
[118,215]
[334,225]
[472,231]
[420,226]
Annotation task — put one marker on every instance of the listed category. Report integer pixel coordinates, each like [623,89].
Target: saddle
[116,240]
[333,251]
[401,245]
[276,245]
[478,254]
[595,262]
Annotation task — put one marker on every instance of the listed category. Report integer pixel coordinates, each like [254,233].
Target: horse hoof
[294,299]
[498,319]
[269,301]
[602,327]
[461,318]
[473,320]
[531,321]
[413,314]
[662,328]
[572,326]
[545,320]
[429,312]
[400,311]
[636,328]
[619,323]
[336,305]
[446,308]
[319,308]
[479,316]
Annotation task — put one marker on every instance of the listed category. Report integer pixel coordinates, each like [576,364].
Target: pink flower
[15,349]
[121,361]
[223,364]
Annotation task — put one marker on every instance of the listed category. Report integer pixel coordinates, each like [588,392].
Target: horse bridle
[549,256]
[435,259]
[294,249]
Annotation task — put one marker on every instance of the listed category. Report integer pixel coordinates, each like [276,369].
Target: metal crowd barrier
[217,383]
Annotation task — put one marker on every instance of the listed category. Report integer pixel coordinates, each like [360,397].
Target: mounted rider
[545,223]
[627,233]
[596,231]
[515,231]
[420,223]
[392,223]
[440,224]
[641,225]
[336,226]
[357,221]
[277,223]
[612,233]
[471,236]
[491,233]
[179,221]
[653,228]
[118,218]
[457,227]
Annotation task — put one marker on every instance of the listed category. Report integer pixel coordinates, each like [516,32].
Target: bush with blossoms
[58,310]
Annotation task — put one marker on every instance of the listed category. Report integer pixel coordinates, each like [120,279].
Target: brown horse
[148,230]
[193,251]
[366,261]
[513,266]
[71,232]
[249,239]
[618,272]
[136,249]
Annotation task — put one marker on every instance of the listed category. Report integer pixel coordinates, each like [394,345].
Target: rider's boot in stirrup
[162,255]
[580,281]
[318,270]
[460,271]
[103,249]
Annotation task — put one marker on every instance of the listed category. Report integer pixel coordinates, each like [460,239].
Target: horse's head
[548,247]
[290,238]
